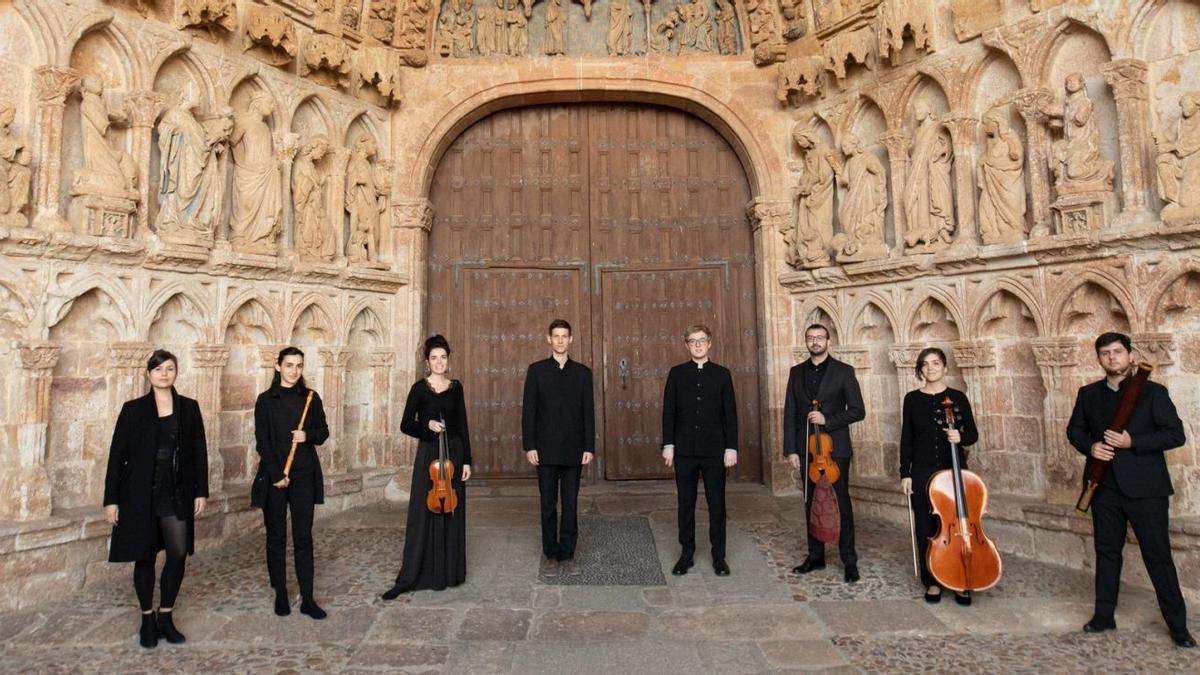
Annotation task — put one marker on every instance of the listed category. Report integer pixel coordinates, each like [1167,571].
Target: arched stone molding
[919,87]
[190,292]
[863,106]
[235,304]
[60,300]
[362,118]
[1057,36]
[993,59]
[855,313]
[1157,294]
[191,63]
[253,80]
[942,296]
[824,304]
[1134,35]
[320,109]
[989,291]
[323,309]
[127,56]
[374,314]
[44,27]
[1114,286]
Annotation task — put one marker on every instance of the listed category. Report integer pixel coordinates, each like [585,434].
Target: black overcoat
[129,482]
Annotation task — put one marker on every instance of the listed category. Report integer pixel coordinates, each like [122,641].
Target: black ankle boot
[148,635]
[309,606]
[282,606]
[166,628]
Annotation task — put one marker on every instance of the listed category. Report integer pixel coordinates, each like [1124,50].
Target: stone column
[381,386]
[210,360]
[1057,357]
[904,357]
[859,358]
[897,146]
[386,253]
[974,359]
[339,157]
[25,479]
[1127,78]
[334,361]
[52,86]
[1033,104]
[964,135]
[412,221]
[126,373]
[143,108]
[266,358]
[286,145]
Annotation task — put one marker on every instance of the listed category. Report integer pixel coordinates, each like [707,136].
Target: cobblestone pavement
[760,619]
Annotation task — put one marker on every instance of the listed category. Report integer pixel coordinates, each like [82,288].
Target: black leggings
[174,536]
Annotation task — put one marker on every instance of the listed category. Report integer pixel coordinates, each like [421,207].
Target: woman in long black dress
[156,485]
[925,450]
[435,545]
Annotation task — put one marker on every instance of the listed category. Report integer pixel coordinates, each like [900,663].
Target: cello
[442,498]
[960,555]
[820,451]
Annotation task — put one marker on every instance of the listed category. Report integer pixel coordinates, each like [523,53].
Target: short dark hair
[558,323]
[1108,338]
[697,328]
[818,326]
[435,342]
[935,351]
[276,380]
[159,357]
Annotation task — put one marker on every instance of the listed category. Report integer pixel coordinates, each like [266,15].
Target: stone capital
[773,213]
[39,355]
[381,359]
[896,141]
[53,85]
[904,356]
[267,355]
[210,355]
[335,357]
[129,354]
[974,354]
[414,214]
[1127,77]
[1154,348]
[1034,103]
[144,107]
[858,356]
[286,145]
[963,128]
[1055,351]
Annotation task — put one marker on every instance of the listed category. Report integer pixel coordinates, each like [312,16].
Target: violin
[442,498]
[960,556]
[820,451]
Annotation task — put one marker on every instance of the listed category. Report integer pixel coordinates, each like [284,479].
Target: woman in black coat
[156,485]
[300,487]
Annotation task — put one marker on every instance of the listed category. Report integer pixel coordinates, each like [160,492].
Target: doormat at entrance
[613,551]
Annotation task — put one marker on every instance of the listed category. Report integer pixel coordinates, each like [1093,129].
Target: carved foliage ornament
[270,30]
[210,14]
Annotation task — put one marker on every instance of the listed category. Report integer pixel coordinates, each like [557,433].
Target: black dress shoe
[148,635]
[933,598]
[167,629]
[963,599]
[1099,625]
[282,606]
[851,574]
[721,568]
[310,607]
[682,566]
[809,565]
[1183,639]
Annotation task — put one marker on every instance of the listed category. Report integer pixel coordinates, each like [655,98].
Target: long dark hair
[929,351]
[276,383]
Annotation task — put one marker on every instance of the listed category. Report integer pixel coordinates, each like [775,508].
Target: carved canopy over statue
[257,185]
[191,187]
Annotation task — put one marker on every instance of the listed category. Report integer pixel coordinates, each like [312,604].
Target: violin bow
[912,530]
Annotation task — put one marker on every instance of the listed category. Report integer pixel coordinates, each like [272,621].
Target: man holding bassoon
[1124,424]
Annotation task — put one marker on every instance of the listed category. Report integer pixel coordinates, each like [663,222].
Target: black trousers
[1112,513]
[555,481]
[688,472]
[298,495]
[816,549]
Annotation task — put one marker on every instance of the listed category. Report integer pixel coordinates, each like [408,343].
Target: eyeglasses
[697,341]
[816,338]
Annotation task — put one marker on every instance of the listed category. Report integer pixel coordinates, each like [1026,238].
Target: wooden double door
[628,221]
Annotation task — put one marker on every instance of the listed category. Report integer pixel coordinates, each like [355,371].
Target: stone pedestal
[102,215]
[1083,211]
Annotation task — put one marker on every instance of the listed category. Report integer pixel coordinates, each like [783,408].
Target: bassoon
[1097,467]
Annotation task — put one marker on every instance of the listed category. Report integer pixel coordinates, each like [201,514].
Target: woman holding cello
[925,446]
[435,541]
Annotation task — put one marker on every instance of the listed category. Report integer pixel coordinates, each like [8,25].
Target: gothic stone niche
[213,15]
[270,35]
[326,59]
[378,73]
[803,75]
[898,17]
[104,189]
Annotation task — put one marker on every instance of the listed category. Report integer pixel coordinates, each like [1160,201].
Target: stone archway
[629,220]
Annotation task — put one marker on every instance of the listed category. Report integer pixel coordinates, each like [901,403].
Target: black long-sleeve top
[449,406]
[276,415]
[557,414]
[699,410]
[923,439]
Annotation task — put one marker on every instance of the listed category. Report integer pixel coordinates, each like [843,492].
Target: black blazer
[1141,470]
[129,482]
[274,421]
[699,410]
[841,401]
[557,416]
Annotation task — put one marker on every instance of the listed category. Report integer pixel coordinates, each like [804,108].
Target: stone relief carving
[209,14]
[1075,158]
[492,36]
[663,33]
[696,37]
[326,59]
[365,202]
[409,35]
[381,20]
[456,30]
[861,210]
[619,38]
[802,75]
[856,46]
[726,27]
[794,26]
[191,191]
[765,40]
[271,34]
[928,191]
[809,238]
[1001,182]
[901,15]
[556,26]
[518,32]
[15,157]
[254,226]
[106,170]
[314,237]
[378,69]
[1178,162]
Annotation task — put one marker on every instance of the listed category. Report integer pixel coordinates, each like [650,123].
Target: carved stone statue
[928,191]
[620,28]
[492,29]
[1178,162]
[861,210]
[14,171]
[106,171]
[1001,182]
[257,199]
[191,187]
[726,28]
[809,240]
[518,32]
[556,25]
[462,39]
[1075,159]
[314,237]
[697,28]
[663,32]
[364,202]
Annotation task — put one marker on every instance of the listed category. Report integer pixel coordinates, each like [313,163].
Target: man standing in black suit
[1135,488]
[700,441]
[825,379]
[558,427]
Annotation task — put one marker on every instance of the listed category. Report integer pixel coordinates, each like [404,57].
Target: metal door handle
[623,371]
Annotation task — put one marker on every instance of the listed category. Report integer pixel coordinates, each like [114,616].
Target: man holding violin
[825,379]
[1136,485]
